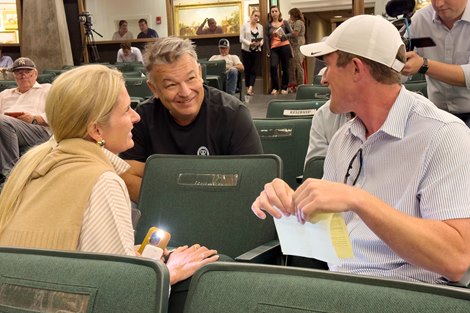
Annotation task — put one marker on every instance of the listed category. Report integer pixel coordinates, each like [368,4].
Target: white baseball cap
[368,36]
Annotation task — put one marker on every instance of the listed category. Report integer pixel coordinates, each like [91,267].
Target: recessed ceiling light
[338,16]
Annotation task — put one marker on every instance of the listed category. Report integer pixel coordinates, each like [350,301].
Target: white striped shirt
[107,221]
[418,163]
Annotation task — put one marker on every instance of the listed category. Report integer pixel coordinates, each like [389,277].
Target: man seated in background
[145,30]
[211,29]
[23,121]
[185,117]
[398,172]
[129,54]
[233,65]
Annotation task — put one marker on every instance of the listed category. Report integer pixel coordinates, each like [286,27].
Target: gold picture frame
[251,7]
[187,18]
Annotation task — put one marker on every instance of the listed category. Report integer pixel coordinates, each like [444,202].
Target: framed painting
[189,18]
[10,19]
[252,7]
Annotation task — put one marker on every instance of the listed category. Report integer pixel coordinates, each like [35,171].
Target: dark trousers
[250,63]
[280,55]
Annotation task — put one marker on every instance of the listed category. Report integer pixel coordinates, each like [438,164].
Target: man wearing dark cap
[397,173]
[211,29]
[233,65]
[22,115]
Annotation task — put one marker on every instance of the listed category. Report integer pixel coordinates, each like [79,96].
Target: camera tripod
[93,56]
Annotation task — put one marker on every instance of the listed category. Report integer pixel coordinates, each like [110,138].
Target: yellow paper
[340,237]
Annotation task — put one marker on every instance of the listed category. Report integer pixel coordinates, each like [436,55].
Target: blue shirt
[418,163]
[151,33]
[452,47]
[6,61]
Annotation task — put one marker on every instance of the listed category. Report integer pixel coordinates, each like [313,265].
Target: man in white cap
[22,115]
[233,65]
[398,172]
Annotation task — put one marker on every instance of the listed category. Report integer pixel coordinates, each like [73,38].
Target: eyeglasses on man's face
[354,169]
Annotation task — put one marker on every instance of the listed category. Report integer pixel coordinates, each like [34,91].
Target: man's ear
[199,69]
[152,88]
[359,67]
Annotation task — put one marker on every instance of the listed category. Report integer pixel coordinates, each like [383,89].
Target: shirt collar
[395,122]
[120,166]
[35,86]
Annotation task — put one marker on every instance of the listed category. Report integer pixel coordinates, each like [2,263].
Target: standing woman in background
[278,33]
[296,69]
[251,38]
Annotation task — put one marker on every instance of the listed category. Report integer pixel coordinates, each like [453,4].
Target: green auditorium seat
[215,73]
[420,87]
[7,84]
[293,108]
[137,87]
[309,91]
[46,78]
[287,138]
[314,168]
[235,287]
[207,200]
[58,281]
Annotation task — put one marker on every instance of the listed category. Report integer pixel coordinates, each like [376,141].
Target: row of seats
[55,281]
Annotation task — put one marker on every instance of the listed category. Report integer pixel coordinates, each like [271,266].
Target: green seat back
[420,87]
[215,73]
[312,92]
[7,84]
[314,168]
[236,287]
[33,280]
[317,79]
[56,72]
[132,74]
[287,138]
[46,78]
[137,87]
[207,200]
[293,108]
[128,66]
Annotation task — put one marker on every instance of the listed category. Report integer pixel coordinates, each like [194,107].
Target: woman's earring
[101,143]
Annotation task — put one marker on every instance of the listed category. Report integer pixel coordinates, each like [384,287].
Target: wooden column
[45,37]
[357,7]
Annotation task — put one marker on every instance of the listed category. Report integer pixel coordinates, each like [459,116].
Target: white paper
[306,240]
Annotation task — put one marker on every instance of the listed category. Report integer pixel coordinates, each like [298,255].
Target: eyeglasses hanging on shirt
[354,169]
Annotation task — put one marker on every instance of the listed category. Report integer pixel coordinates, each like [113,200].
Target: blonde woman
[66,194]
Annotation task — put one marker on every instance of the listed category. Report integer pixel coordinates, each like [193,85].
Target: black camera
[405,8]
[85,18]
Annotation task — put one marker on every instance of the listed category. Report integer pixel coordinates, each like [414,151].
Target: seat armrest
[265,253]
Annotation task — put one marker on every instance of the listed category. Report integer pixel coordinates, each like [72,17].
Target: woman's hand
[184,261]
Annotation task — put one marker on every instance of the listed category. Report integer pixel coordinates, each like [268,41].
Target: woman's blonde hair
[77,98]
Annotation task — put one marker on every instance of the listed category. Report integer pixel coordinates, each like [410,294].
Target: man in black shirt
[185,117]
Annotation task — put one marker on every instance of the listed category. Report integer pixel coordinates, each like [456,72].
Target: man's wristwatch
[424,68]
[34,121]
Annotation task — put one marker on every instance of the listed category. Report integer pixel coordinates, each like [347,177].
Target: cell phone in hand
[155,237]
[14,114]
